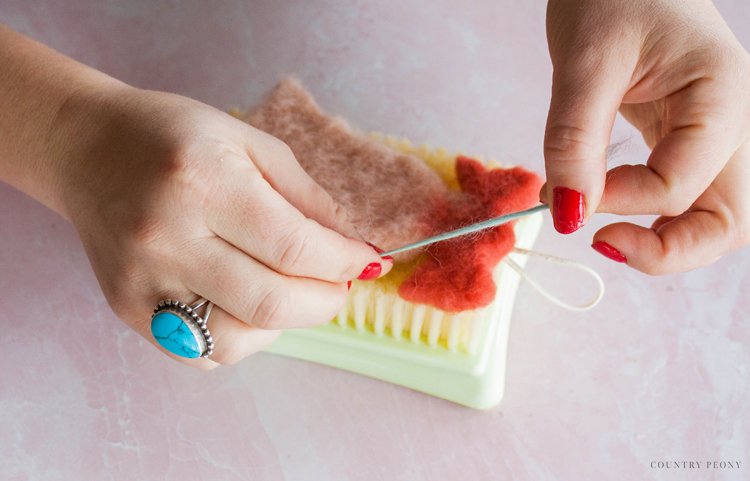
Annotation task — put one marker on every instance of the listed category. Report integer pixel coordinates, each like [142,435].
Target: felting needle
[485,224]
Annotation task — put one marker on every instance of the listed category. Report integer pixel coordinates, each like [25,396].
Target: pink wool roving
[395,199]
[387,195]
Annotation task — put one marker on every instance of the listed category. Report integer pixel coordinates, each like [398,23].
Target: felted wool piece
[457,275]
[388,196]
[394,199]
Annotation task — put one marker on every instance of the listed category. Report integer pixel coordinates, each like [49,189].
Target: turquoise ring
[179,329]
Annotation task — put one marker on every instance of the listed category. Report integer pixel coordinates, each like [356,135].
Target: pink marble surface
[658,372]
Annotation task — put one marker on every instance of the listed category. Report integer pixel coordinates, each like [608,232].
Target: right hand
[174,199]
[674,69]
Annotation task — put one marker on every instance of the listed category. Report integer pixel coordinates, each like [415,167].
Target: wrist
[42,123]
[76,132]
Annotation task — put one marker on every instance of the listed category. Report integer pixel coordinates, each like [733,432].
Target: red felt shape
[456,275]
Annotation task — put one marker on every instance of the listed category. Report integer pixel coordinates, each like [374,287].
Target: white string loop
[562,261]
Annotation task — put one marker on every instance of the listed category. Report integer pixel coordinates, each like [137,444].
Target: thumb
[585,98]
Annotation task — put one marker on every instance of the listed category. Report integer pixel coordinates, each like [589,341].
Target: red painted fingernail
[380,251]
[567,210]
[348,285]
[608,251]
[371,271]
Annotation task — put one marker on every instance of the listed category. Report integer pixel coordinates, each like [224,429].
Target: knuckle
[285,150]
[293,250]
[254,203]
[275,146]
[570,143]
[270,309]
[147,231]
[669,259]
[183,168]
[338,213]
[676,203]
[676,198]
[330,208]
[282,148]
[176,160]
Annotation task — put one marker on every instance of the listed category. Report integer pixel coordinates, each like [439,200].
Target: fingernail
[372,271]
[348,285]
[608,251]
[567,210]
[379,251]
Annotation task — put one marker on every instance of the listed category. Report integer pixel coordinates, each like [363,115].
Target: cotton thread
[562,261]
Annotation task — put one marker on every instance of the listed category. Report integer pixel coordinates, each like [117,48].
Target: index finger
[251,215]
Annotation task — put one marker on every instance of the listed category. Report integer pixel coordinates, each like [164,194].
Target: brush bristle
[372,309]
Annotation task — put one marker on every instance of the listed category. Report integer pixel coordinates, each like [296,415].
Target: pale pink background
[659,371]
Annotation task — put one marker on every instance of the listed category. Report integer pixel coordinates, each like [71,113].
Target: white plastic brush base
[473,379]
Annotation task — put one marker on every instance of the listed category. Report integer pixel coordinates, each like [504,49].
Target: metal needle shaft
[486,224]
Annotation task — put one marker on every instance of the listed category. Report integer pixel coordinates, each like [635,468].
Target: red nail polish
[348,285]
[371,271]
[380,251]
[608,251]
[567,210]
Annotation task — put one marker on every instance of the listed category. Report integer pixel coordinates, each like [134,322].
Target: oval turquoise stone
[170,331]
